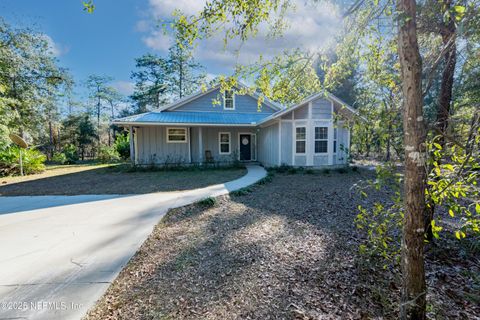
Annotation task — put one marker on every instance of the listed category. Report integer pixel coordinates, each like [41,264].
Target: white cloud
[55,48]
[124,87]
[164,8]
[310,27]
[158,40]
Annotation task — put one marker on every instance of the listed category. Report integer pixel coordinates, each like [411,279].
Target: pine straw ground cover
[284,250]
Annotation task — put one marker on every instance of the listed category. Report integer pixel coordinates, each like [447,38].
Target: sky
[107,41]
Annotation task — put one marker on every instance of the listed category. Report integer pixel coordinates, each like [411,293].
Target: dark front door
[245,147]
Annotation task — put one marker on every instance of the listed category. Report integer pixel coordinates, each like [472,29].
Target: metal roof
[183,117]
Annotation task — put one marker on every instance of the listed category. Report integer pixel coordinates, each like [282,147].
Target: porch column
[200,144]
[330,142]
[132,146]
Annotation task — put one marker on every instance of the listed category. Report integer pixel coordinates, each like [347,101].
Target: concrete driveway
[60,253]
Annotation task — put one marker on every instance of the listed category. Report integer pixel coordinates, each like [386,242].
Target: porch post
[132,146]
[330,142]
[200,144]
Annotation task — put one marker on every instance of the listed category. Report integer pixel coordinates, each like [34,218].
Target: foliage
[79,132]
[207,202]
[382,223]
[59,157]
[122,146]
[31,84]
[32,160]
[150,82]
[159,80]
[453,184]
[71,153]
[107,154]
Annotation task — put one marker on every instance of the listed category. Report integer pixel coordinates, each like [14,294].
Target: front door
[245,147]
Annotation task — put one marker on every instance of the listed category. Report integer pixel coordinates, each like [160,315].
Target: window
[176,135]
[321,139]
[229,100]
[334,140]
[224,142]
[300,136]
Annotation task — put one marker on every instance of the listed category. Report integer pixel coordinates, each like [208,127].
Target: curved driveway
[58,254]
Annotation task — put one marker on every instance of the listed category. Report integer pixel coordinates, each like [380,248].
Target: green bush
[122,145]
[108,154]
[342,170]
[33,161]
[59,157]
[71,153]
[207,202]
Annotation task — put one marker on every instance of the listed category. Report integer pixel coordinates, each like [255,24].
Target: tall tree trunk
[413,270]
[448,33]
[51,146]
[99,106]
[181,78]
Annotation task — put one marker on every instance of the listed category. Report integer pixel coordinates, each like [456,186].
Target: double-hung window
[300,139]
[176,135]
[224,142]
[229,100]
[321,139]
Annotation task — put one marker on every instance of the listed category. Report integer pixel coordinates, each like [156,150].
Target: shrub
[33,161]
[292,170]
[325,171]
[310,171]
[207,202]
[71,153]
[59,157]
[122,145]
[342,170]
[241,192]
[108,154]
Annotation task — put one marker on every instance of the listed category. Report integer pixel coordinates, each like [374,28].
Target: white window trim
[305,140]
[315,140]
[220,143]
[233,100]
[176,141]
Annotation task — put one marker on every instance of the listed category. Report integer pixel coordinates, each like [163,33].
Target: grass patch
[114,179]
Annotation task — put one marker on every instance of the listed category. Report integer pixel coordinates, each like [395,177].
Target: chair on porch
[208,156]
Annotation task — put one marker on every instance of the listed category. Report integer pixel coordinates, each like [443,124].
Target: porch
[166,145]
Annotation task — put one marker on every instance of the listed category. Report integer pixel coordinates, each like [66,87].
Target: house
[196,129]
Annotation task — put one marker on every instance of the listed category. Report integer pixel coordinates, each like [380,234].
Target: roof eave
[190,124]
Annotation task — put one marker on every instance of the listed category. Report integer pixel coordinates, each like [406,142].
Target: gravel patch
[284,250]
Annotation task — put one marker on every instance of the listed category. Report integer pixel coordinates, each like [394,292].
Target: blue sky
[107,41]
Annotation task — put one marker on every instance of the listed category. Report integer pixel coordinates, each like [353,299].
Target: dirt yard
[112,179]
[284,250]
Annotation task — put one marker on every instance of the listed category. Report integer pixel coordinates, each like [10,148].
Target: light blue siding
[243,103]
[320,160]
[152,147]
[321,109]
[210,136]
[286,138]
[301,112]
[342,141]
[268,145]
[300,160]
